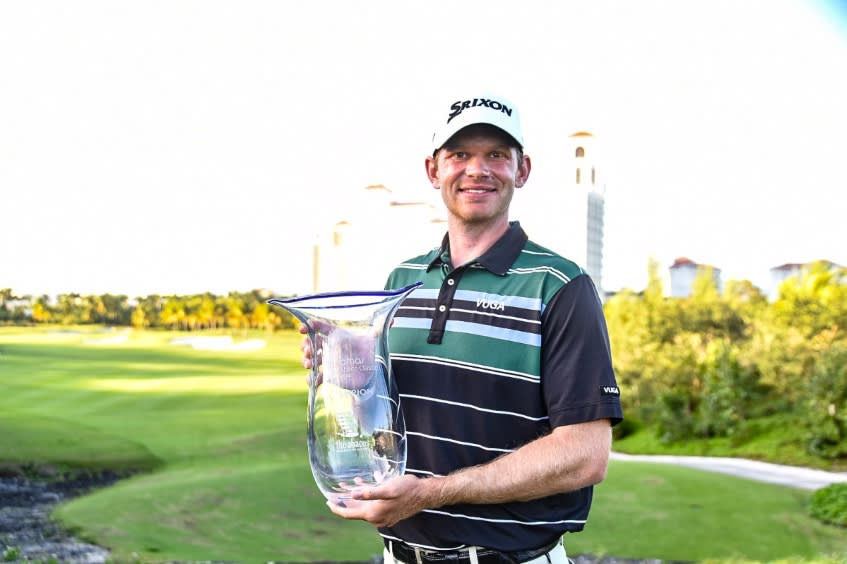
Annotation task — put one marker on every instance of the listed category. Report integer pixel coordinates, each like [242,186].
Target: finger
[306,349]
[369,493]
[341,509]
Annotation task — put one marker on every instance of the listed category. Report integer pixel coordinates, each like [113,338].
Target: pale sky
[181,147]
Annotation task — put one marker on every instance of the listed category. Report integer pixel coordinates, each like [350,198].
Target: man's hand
[306,347]
[569,458]
[390,502]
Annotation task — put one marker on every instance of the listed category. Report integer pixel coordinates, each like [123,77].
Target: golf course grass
[215,439]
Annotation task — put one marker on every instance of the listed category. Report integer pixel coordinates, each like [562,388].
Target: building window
[593,176]
[338,233]
[580,152]
[578,175]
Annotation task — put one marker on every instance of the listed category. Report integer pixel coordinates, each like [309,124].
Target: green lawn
[219,439]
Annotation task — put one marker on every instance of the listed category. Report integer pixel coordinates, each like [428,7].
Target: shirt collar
[498,258]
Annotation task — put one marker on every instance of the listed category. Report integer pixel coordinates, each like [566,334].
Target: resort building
[783,272]
[375,234]
[684,271]
[571,214]
[378,231]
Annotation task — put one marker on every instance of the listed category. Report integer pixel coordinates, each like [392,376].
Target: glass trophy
[356,434]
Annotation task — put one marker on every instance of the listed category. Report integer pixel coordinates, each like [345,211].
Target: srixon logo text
[490,304]
[460,106]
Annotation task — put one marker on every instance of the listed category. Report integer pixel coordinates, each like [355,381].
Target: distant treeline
[200,311]
[713,364]
[729,364]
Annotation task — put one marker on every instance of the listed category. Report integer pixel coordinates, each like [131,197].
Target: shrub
[829,504]
[674,417]
[629,426]
[11,554]
[726,389]
[826,421]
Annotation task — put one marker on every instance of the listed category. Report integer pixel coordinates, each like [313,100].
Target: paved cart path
[804,478]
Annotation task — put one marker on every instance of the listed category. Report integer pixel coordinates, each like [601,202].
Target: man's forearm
[567,459]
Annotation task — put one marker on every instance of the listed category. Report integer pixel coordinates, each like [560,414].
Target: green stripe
[536,273]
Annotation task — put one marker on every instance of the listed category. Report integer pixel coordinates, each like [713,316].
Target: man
[504,369]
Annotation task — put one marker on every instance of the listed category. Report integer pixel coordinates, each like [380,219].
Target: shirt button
[442,308]
[450,281]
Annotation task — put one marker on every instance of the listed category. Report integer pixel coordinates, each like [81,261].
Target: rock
[10,470]
[26,531]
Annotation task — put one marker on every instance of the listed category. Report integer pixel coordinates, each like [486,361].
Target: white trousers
[555,556]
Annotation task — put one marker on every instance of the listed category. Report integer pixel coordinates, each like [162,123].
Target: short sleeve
[577,377]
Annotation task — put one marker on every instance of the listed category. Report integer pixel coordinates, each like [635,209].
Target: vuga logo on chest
[493,303]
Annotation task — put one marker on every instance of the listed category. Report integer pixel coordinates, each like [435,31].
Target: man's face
[477,172]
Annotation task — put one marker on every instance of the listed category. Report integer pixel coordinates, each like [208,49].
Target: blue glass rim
[382,294]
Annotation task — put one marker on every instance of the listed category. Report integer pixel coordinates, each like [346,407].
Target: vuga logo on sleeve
[609,391]
[460,106]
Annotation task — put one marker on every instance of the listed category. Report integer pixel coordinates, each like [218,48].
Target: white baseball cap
[488,109]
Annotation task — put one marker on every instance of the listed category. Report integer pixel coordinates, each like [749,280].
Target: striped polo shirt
[487,357]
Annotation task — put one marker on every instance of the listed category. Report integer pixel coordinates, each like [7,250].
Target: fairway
[217,438]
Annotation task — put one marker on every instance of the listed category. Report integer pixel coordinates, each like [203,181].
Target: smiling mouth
[477,190]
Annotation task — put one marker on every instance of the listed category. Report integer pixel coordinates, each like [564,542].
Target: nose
[477,166]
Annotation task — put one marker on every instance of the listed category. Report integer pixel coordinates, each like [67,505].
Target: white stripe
[423,293]
[508,299]
[416,471]
[537,253]
[454,441]
[472,296]
[466,365]
[522,319]
[549,269]
[514,521]
[412,323]
[412,266]
[424,546]
[513,335]
[417,308]
[390,431]
[474,407]
[387,398]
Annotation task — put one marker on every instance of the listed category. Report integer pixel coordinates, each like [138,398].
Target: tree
[235,317]
[139,318]
[826,420]
[6,297]
[814,301]
[41,311]
[173,312]
[731,392]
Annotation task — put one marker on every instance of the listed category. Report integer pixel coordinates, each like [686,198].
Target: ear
[432,172]
[522,174]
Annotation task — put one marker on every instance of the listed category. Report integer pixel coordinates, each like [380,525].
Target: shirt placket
[444,302]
